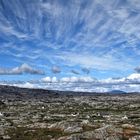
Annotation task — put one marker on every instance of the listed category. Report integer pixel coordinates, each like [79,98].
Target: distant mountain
[17,92]
[13,92]
[117,92]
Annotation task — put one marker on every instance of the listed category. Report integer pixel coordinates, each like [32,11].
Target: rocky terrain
[37,114]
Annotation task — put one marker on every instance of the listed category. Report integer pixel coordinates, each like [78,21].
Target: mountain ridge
[6,90]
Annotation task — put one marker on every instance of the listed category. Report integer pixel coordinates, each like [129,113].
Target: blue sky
[60,38]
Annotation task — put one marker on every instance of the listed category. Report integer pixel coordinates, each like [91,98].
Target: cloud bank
[130,83]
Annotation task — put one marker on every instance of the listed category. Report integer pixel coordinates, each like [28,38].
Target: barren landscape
[26,114]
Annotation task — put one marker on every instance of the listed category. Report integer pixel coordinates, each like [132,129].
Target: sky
[70,44]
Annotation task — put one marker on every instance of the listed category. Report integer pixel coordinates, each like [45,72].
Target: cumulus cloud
[77,79]
[69,79]
[56,69]
[74,72]
[85,70]
[25,85]
[49,79]
[87,83]
[135,77]
[72,79]
[23,69]
[137,69]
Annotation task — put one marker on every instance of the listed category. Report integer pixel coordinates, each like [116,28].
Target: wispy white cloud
[101,35]
[88,60]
